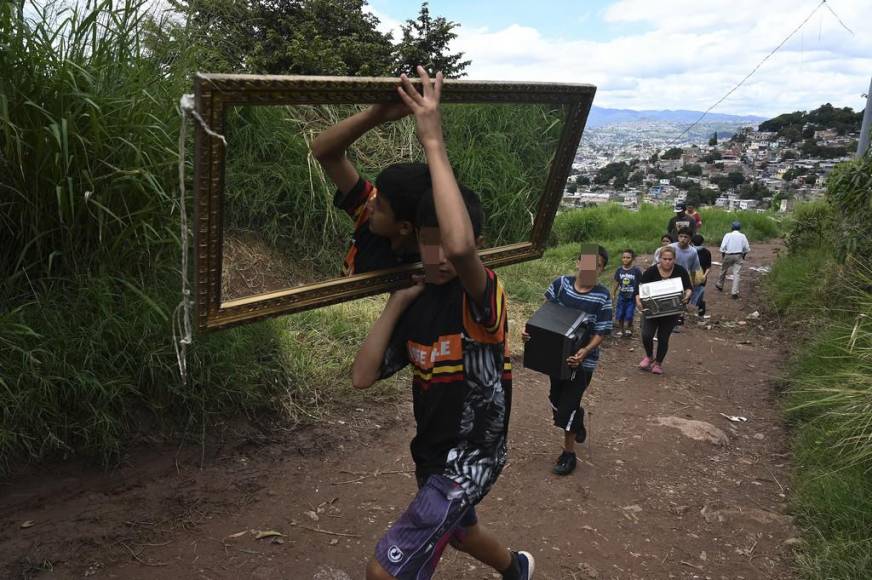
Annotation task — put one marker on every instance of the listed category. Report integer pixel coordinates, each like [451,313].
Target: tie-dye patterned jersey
[461,382]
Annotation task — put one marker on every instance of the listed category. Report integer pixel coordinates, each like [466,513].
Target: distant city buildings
[746,169]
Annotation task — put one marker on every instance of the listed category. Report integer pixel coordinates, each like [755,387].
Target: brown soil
[648,500]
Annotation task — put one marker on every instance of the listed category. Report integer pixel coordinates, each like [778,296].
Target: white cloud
[387,24]
[692,55]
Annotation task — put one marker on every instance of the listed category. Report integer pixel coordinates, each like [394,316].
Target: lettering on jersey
[446,348]
[436,362]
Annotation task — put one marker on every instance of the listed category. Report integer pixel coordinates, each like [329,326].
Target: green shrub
[810,227]
[849,191]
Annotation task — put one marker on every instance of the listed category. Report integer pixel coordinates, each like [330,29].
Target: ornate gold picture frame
[216,93]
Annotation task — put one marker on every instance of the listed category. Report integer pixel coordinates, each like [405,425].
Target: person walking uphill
[663,326]
[734,248]
[680,220]
[452,332]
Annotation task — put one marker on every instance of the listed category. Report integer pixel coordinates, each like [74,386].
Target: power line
[833,12]
[750,74]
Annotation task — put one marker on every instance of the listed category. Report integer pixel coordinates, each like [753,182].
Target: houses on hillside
[749,171]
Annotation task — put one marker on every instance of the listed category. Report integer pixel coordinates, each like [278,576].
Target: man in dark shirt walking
[680,220]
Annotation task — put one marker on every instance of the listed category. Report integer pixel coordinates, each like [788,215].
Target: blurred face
[437,269]
[667,261]
[665,241]
[683,240]
[626,259]
[589,266]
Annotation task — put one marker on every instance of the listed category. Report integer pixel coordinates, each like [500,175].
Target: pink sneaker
[645,364]
[657,369]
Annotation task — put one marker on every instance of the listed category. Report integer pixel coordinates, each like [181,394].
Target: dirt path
[647,501]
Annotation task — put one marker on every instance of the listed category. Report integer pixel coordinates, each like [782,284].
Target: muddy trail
[672,482]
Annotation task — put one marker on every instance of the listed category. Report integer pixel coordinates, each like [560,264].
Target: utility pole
[866,128]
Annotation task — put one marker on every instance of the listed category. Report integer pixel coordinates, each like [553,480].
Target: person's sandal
[657,369]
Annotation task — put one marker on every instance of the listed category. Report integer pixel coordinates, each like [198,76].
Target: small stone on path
[698,430]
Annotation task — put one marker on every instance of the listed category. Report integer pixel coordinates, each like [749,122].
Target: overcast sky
[666,54]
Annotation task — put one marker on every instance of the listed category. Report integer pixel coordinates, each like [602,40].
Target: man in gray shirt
[685,254]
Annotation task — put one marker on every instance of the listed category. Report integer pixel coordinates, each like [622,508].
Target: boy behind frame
[452,330]
[383,212]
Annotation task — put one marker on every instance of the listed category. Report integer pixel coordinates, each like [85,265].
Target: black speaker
[556,333]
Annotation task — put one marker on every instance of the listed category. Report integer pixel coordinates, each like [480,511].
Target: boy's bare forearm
[335,141]
[330,146]
[458,238]
[368,360]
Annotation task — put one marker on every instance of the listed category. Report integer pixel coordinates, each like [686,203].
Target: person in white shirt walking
[734,248]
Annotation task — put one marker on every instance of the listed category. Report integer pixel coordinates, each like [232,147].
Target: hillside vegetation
[823,291]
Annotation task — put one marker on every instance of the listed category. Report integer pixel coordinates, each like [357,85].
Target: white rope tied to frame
[182,328]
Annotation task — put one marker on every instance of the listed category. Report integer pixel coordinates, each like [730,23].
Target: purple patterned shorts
[440,512]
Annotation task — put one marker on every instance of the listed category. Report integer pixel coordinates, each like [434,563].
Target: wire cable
[756,68]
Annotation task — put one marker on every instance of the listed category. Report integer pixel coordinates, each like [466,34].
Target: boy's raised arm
[330,146]
[458,238]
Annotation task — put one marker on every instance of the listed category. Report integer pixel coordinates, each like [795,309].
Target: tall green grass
[88,173]
[85,136]
[276,189]
[829,406]
[642,229]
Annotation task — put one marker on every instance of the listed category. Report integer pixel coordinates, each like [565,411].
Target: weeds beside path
[648,501]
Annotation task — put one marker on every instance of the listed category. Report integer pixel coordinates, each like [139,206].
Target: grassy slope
[829,402]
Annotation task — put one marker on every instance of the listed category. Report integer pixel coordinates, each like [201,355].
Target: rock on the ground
[698,430]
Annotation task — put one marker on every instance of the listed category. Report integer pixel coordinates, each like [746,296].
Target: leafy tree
[739,137]
[571,188]
[714,140]
[792,125]
[693,170]
[621,181]
[636,178]
[619,171]
[425,42]
[736,178]
[697,197]
[654,158]
[672,153]
[789,154]
[328,37]
[755,190]
[582,180]
[713,156]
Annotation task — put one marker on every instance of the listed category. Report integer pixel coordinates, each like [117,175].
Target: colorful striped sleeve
[553,290]
[486,323]
[354,201]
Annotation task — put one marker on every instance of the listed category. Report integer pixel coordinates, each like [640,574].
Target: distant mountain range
[600,117]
